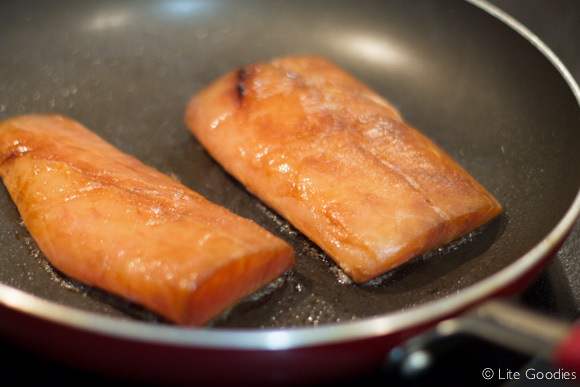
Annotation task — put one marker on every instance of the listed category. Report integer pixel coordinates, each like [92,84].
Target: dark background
[556,292]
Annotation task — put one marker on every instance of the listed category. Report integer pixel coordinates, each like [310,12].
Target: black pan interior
[469,82]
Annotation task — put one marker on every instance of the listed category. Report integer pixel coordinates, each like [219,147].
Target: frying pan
[465,74]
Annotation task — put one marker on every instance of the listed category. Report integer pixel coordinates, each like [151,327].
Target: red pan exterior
[138,359]
[144,361]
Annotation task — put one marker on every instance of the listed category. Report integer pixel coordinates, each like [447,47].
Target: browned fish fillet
[106,219]
[338,162]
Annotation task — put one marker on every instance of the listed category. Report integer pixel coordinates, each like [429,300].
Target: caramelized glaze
[337,161]
[105,219]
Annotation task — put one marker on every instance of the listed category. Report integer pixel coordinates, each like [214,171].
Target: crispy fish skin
[337,161]
[105,219]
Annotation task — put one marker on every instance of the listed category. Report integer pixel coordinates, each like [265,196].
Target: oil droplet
[161,72]
[201,33]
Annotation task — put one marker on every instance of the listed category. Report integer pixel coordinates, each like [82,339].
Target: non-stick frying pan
[473,80]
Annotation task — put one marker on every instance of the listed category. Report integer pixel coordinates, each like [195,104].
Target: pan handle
[503,323]
[567,351]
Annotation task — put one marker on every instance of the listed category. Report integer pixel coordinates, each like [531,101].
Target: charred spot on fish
[240,89]
[240,84]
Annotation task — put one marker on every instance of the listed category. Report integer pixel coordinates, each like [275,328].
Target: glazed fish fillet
[338,162]
[105,219]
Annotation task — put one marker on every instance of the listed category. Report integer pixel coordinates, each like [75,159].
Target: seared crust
[338,162]
[106,219]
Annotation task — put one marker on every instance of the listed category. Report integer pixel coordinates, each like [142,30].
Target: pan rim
[328,334]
